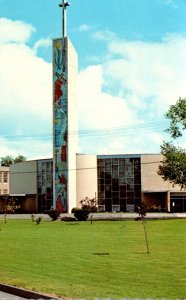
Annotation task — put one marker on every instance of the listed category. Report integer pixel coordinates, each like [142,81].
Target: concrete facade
[155,191]
[23,178]
[23,185]
[132,179]
[4,180]
[72,67]
[86,177]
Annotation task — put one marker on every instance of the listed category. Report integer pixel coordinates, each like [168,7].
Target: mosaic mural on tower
[60,124]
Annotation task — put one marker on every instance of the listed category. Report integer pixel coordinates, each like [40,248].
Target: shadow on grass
[73,223]
[101,253]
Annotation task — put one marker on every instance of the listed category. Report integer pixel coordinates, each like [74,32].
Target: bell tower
[65,66]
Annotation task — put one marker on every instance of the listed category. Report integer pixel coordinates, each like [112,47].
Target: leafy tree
[19,158]
[177,116]
[173,166]
[9,160]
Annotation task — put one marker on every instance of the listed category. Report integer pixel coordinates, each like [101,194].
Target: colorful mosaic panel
[60,124]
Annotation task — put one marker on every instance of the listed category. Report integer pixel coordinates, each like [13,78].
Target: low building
[118,182]
[31,185]
[4,186]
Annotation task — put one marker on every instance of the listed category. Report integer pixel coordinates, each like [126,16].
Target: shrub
[53,214]
[80,214]
[38,220]
[89,204]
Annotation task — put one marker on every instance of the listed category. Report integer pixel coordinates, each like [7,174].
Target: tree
[142,210]
[173,166]
[9,160]
[177,116]
[89,205]
[19,158]
[11,205]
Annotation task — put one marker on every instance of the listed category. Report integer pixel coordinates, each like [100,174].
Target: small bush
[38,220]
[53,214]
[74,209]
[89,204]
[80,214]
[32,218]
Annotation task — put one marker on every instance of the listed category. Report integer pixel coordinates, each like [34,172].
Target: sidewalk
[100,216]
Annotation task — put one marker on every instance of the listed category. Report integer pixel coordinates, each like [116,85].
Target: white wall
[86,177]
[72,69]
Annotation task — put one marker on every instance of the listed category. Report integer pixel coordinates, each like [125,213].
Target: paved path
[5,296]
[101,216]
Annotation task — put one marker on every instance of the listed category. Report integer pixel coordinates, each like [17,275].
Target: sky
[132,62]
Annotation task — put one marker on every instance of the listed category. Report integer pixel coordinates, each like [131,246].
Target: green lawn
[105,259]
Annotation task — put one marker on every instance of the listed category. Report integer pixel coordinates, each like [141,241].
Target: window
[101,181]
[119,182]
[101,208]
[123,191]
[115,161]
[108,165]
[107,175]
[101,163]
[101,173]
[114,171]
[5,177]
[107,191]
[5,191]
[122,179]
[115,207]
[115,186]
[0,176]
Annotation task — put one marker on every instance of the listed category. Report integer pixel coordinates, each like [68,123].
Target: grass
[107,259]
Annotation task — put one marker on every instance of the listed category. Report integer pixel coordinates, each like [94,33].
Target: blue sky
[132,63]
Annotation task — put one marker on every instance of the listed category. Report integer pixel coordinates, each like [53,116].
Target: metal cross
[64,5]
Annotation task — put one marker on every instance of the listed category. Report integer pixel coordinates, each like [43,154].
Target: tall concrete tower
[65,68]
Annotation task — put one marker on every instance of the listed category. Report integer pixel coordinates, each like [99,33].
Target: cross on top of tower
[64,5]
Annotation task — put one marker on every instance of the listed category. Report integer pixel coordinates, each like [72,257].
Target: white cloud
[25,81]
[171,3]
[105,35]
[42,43]
[84,28]
[98,109]
[153,73]
[14,31]
[135,84]
[25,93]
